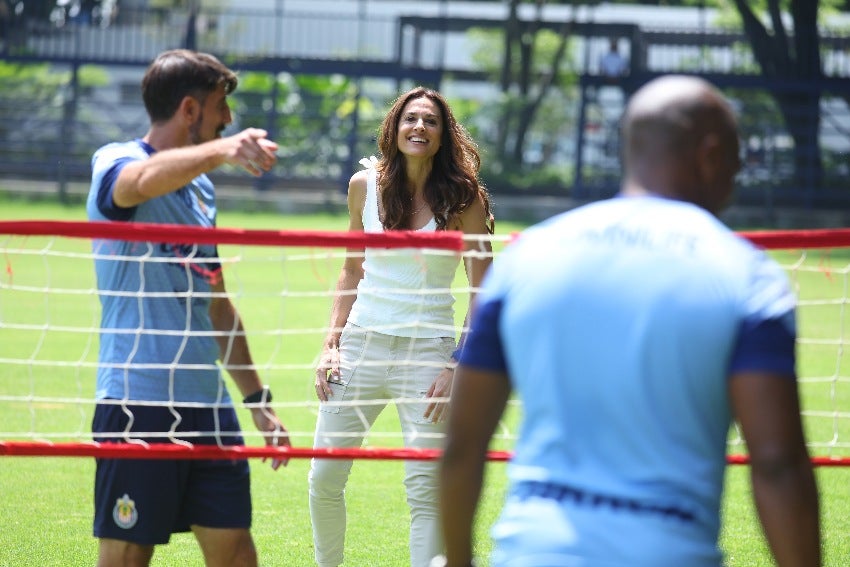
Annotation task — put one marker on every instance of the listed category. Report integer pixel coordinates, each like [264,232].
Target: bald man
[634,331]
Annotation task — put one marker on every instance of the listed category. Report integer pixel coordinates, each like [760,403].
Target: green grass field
[46,504]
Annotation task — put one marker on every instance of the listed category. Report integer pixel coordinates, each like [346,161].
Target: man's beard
[195,131]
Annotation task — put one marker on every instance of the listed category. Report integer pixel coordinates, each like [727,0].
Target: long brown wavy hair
[453,183]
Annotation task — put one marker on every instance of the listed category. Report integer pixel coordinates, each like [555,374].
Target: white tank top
[405,292]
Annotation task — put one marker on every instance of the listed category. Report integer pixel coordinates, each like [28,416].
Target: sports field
[46,503]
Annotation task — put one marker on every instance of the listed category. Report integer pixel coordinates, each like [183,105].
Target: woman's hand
[328,369]
[441,388]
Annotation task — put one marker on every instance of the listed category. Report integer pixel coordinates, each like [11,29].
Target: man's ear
[709,155]
[711,188]
[189,109]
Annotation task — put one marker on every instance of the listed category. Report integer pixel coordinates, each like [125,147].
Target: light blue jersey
[156,339]
[619,324]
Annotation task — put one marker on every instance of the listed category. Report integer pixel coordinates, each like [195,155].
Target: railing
[375,56]
[728,53]
[242,33]
[349,34]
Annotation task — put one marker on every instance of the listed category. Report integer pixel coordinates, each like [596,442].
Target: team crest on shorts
[125,513]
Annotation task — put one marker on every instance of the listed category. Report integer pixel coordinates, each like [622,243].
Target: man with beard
[167,323]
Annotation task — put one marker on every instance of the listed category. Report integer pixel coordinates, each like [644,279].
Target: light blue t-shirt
[156,340]
[619,324]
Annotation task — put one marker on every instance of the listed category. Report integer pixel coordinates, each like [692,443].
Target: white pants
[374,366]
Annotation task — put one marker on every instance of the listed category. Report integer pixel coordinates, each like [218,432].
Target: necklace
[412,201]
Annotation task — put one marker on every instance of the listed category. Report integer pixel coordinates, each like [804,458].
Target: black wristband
[263,395]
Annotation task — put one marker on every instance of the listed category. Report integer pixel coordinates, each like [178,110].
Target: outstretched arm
[768,410]
[171,169]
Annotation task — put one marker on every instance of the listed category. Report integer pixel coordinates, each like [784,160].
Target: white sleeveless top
[405,292]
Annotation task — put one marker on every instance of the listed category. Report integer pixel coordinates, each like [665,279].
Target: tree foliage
[791,54]
[532,66]
[34,100]
[316,119]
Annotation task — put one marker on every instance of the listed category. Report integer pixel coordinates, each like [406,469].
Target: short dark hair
[178,73]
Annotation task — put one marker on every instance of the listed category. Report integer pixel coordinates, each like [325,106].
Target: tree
[533,59]
[44,125]
[792,57]
[29,94]
[316,119]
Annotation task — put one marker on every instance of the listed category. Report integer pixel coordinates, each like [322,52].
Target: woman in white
[387,339]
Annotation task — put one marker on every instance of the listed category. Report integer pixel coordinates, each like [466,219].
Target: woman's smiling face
[420,129]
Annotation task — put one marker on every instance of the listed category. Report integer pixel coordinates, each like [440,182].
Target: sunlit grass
[47,502]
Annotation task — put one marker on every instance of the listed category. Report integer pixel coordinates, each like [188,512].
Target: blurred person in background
[634,330]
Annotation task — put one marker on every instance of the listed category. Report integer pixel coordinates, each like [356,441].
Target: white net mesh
[50,317]
[50,321]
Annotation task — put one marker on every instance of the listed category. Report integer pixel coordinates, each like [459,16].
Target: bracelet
[263,395]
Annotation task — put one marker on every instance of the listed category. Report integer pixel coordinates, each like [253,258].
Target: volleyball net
[283,284]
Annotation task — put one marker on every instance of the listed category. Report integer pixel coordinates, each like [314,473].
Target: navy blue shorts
[144,501]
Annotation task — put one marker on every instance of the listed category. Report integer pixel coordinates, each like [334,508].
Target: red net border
[443,240]
[151,232]
[169,451]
